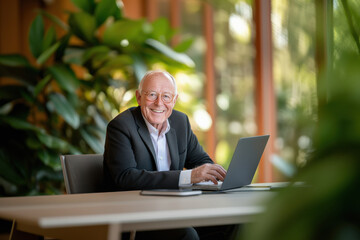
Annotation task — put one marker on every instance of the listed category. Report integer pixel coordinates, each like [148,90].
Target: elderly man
[152,146]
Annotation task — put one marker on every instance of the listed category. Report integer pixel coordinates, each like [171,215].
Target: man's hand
[208,172]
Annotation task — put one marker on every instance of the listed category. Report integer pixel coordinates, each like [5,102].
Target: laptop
[242,168]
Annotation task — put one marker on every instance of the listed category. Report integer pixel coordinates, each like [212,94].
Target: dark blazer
[129,157]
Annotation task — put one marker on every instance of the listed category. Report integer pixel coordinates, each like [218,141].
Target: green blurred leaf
[65,77]
[123,29]
[184,45]
[95,57]
[65,109]
[17,67]
[85,5]
[28,96]
[84,26]
[49,39]
[54,175]
[7,170]
[139,66]
[11,92]
[74,55]
[47,53]
[114,63]
[92,141]
[25,75]
[161,29]
[63,46]
[40,86]
[104,9]
[20,124]
[33,143]
[14,60]
[57,143]
[167,51]
[6,108]
[36,35]
[54,19]
[49,159]
[95,51]
[99,119]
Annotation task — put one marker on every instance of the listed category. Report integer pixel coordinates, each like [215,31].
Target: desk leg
[20,235]
[114,232]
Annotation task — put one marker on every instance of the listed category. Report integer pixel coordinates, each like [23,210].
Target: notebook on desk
[242,168]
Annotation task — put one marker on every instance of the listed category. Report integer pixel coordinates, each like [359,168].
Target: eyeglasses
[153,96]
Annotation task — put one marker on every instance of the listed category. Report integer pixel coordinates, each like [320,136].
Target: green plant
[51,109]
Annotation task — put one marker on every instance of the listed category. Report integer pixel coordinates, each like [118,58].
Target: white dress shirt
[163,159]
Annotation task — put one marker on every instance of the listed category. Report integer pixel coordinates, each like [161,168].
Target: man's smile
[157,111]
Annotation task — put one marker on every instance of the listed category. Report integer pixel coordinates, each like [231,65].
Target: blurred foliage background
[327,206]
[83,78]
[80,81]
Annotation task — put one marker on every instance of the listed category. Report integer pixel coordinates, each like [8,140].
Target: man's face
[156,112]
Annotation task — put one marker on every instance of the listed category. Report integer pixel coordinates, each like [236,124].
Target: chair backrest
[82,173]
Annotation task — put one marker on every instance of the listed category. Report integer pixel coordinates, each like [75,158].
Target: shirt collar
[165,128]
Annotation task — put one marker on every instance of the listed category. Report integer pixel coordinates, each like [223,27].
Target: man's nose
[158,101]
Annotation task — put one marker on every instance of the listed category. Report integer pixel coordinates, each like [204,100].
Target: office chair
[82,173]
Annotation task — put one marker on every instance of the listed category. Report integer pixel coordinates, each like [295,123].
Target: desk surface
[131,210]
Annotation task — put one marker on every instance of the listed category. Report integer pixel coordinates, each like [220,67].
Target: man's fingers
[220,172]
[208,172]
[216,175]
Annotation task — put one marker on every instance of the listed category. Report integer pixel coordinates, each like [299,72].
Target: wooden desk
[106,215]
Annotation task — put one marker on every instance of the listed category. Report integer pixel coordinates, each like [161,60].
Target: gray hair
[149,73]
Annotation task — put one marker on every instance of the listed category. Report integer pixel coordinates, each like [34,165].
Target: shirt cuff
[185,178]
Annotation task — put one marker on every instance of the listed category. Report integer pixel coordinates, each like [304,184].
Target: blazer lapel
[173,149]
[144,132]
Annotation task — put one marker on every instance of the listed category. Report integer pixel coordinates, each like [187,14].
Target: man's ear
[175,98]
[138,97]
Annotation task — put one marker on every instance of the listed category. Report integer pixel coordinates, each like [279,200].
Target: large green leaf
[84,26]
[63,107]
[85,5]
[167,51]
[47,53]
[65,77]
[123,30]
[104,9]
[36,35]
